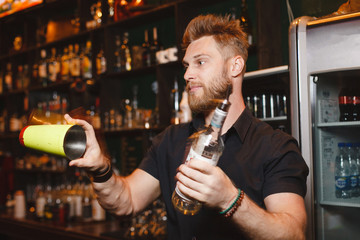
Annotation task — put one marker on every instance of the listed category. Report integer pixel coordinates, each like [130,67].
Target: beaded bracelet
[102,176]
[232,209]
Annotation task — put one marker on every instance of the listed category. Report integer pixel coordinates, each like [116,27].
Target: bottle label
[356,100]
[218,118]
[353,181]
[193,155]
[342,183]
[345,100]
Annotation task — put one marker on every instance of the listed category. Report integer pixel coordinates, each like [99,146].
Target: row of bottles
[128,57]
[65,200]
[74,62]
[347,169]
[71,64]
[49,111]
[267,105]
[43,162]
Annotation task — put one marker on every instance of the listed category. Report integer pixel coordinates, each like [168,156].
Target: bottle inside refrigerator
[335,139]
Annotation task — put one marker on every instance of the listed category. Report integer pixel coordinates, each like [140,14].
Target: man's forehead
[205,46]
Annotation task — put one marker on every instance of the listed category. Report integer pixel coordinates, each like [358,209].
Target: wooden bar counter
[18,229]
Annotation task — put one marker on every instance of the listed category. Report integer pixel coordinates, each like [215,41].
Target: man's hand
[206,183]
[93,159]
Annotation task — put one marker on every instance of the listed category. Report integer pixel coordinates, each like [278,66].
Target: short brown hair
[227,33]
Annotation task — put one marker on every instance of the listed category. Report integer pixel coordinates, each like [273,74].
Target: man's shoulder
[175,131]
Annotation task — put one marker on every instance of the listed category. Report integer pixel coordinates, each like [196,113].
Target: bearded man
[262,165]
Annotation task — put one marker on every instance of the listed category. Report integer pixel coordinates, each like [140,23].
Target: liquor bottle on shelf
[136,118]
[48,214]
[75,64]
[100,62]
[40,203]
[185,111]
[8,86]
[96,120]
[26,76]
[245,22]
[86,204]
[175,118]
[65,65]
[125,55]
[19,81]
[154,47]
[207,145]
[86,63]
[43,69]
[117,53]
[146,57]
[111,4]
[54,67]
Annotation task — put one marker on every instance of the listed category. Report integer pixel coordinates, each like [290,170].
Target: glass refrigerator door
[336,217]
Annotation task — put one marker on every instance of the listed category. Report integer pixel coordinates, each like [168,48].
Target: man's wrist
[102,174]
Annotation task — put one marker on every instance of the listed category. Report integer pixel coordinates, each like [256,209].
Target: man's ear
[236,66]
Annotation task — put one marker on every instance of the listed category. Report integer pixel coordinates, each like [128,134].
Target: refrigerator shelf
[339,124]
[348,203]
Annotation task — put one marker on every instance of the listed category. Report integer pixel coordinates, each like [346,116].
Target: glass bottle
[8,78]
[65,65]
[117,53]
[86,63]
[207,145]
[43,69]
[175,118]
[100,62]
[154,47]
[86,204]
[125,53]
[146,57]
[245,22]
[75,66]
[54,67]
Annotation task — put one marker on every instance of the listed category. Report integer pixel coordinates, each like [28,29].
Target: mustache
[193,84]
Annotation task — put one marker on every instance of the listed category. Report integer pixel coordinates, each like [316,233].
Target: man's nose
[188,75]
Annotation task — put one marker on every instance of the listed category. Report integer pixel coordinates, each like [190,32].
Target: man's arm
[284,217]
[120,195]
[128,195]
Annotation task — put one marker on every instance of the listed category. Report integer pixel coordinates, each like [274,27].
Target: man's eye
[201,62]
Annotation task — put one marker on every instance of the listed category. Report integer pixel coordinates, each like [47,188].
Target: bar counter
[18,229]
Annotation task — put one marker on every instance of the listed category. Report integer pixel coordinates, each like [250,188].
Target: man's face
[206,74]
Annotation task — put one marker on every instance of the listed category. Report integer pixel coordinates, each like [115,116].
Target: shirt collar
[241,126]
[243,123]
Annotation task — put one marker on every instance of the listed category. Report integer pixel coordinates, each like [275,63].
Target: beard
[213,91]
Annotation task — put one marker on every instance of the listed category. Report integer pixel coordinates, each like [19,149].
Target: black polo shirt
[259,160]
